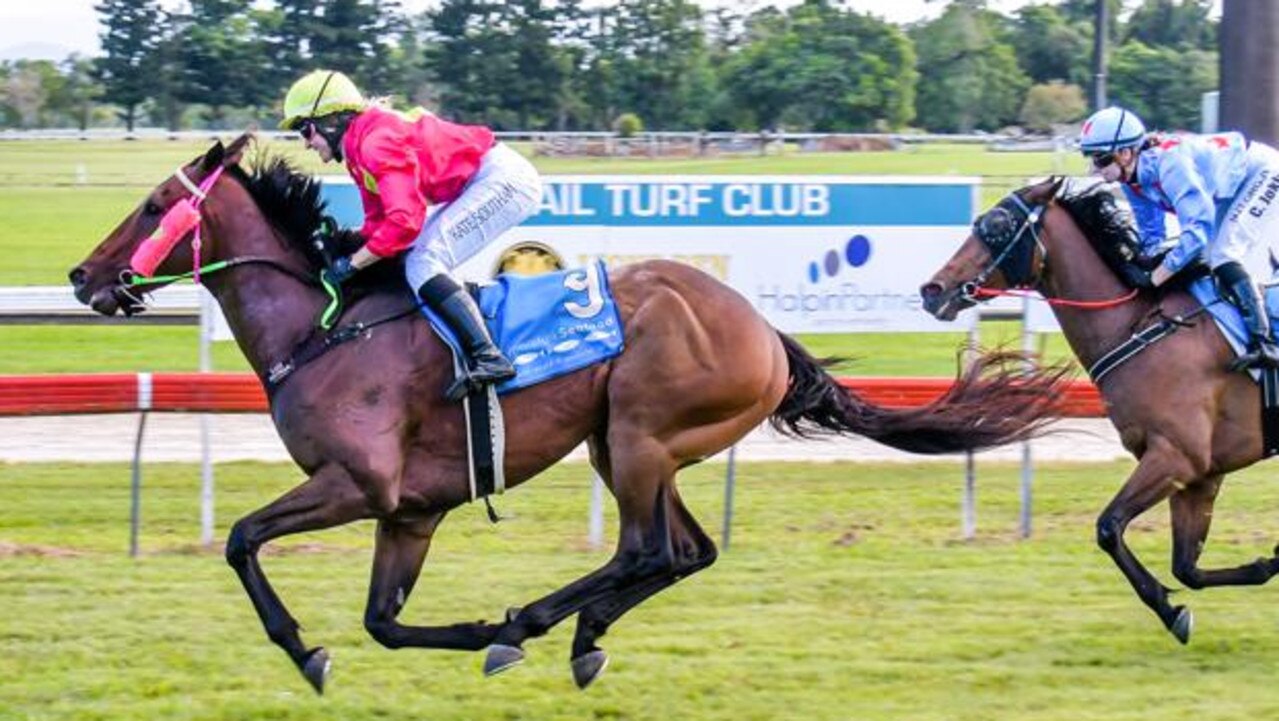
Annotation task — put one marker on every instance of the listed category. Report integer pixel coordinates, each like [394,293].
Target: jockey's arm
[1151,228]
[1196,213]
[372,204]
[394,169]
[364,257]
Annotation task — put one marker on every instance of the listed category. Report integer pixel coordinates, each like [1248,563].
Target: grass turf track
[846,595]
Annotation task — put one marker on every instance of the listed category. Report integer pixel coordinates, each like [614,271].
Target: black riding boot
[485,363]
[1262,351]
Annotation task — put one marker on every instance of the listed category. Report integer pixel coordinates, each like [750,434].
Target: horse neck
[1076,272]
[268,310]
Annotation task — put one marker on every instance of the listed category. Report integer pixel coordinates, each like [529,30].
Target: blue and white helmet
[1111,129]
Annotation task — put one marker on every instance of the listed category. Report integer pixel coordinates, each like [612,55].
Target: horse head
[1004,250]
[155,242]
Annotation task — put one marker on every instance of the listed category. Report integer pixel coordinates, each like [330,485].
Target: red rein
[1089,304]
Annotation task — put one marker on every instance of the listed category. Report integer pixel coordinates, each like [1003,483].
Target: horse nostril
[77,276]
[930,290]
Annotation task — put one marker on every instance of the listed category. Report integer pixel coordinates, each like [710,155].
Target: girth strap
[317,344]
[1139,342]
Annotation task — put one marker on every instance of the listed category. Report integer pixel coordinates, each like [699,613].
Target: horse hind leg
[399,552]
[642,475]
[1191,519]
[329,498]
[693,550]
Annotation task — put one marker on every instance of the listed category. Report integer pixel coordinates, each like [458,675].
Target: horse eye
[151,208]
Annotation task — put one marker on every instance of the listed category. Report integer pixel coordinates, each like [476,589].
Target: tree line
[656,64]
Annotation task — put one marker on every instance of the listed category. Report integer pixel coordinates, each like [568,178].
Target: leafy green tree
[969,77]
[222,57]
[285,31]
[539,100]
[657,62]
[824,68]
[1173,23]
[1163,85]
[25,91]
[1050,46]
[75,96]
[128,45]
[1051,103]
[473,61]
[356,36]
[170,81]
[1085,11]
[507,64]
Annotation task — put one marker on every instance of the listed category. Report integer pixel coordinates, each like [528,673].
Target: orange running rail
[42,395]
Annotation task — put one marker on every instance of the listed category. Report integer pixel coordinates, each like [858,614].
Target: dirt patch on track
[14,550]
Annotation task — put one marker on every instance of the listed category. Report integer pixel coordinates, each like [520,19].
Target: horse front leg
[1191,519]
[329,498]
[398,555]
[1159,473]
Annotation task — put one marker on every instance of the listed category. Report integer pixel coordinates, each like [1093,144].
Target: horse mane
[1107,223]
[290,200]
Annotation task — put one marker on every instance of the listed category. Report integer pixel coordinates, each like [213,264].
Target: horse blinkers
[1002,230]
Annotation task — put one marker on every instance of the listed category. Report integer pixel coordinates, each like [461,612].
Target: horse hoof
[588,667]
[1183,624]
[502,657]
[316,669]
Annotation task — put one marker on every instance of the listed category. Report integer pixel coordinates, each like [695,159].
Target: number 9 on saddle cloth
[548,325]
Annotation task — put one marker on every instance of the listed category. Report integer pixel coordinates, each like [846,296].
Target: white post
[968,505]
[730,483]
[206,456]
[1027,471]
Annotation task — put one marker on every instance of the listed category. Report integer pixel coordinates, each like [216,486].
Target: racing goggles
[1100,160]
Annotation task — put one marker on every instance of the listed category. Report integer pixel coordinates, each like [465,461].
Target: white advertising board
[813,253]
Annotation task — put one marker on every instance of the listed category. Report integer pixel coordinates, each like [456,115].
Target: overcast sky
[53,28]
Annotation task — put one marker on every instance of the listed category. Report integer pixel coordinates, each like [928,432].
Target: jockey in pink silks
[402,164]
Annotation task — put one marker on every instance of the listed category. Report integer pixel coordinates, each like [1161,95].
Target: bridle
[183,218]
[1002,230]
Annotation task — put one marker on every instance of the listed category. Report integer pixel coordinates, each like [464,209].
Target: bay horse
[368,423]
[1179,410]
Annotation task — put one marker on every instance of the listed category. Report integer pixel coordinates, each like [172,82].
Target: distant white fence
[56,304]
[718,138]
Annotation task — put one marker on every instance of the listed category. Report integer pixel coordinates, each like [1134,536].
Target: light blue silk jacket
[1194,176]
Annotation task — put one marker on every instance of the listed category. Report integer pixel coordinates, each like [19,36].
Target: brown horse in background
[368,422]
[1178,408]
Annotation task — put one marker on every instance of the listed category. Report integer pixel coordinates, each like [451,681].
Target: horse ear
[213,158]
[237,148]
[1057,182]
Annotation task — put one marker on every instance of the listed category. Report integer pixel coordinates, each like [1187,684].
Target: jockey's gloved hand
[340,272]
[1135,276]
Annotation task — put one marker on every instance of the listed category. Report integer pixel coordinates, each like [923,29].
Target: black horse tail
[997,400]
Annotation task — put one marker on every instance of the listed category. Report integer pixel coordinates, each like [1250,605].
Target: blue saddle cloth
[548,325]
[1227,316]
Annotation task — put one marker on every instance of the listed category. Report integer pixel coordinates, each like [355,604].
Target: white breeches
[505,190]
[1248,230]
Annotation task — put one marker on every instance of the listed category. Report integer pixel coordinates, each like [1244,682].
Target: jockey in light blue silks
[1221,188]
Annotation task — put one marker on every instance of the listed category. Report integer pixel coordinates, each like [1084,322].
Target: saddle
[1229,321]
[549,325]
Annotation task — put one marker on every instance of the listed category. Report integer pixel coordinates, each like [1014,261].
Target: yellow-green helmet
[320,93]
